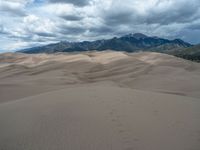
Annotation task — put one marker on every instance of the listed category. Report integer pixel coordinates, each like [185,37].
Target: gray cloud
[101,30]
[119,18]
[71,30]
[71,17]
[176,14]
[14,12]
[74,2]
[14,8]
[173,13]
[44,34]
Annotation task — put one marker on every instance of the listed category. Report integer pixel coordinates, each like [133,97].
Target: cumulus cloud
[14,7]
[46,21]
[151,12]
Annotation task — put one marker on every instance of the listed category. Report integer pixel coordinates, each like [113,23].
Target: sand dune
[39,73]
[99,101]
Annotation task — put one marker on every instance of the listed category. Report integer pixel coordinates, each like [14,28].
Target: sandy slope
[100,117]
[24,75]
[99,101]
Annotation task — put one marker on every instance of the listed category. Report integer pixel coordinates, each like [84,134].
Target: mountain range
[129,43]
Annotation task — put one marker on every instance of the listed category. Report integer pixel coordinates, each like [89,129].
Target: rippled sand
[99,101]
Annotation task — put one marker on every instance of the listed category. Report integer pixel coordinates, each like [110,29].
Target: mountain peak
[181,42]
[136,35]
[130,43]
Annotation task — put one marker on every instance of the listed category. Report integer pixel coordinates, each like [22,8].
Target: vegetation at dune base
[189,57]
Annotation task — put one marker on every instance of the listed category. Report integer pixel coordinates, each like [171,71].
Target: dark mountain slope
[128,43]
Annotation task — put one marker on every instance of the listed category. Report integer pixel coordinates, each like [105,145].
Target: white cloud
[34,24]
[31,23]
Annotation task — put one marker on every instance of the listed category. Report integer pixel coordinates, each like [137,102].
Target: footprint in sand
[123,133]
[155,112]
[113,120]
[131,102]
[122,130]
[136,139]
[129,148]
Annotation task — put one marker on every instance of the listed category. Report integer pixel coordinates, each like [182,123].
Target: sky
[29,23]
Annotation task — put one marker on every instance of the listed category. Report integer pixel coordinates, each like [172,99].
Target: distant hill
[129,43]
[191,53]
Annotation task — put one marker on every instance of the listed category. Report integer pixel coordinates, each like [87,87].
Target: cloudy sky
[27,23]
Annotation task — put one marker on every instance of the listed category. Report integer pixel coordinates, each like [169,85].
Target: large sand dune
[99,101]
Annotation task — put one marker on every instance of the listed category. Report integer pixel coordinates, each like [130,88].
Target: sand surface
[99,101]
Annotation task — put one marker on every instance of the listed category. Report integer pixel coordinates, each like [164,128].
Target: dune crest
[144,70]
[99,101]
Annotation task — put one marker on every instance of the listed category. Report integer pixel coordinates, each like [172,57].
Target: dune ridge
[144,71]
[99,101]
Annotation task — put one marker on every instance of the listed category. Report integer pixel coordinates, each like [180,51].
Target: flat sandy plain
[99,101]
